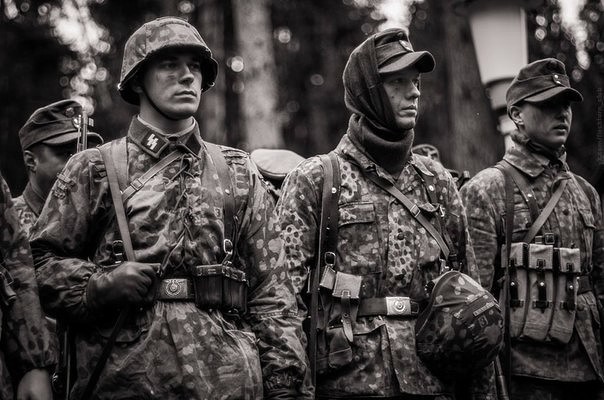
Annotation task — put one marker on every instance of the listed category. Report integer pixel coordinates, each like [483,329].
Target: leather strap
[390,306]
[509,228]
[228,198]
[413,210]
[139,182]
[122,222]
[327,236]
[523,186]
[547,210]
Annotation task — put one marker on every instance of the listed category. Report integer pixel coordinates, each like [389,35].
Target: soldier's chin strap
[156,107]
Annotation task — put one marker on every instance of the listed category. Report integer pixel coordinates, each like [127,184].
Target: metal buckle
[330,258]
[398,306]
[174,288]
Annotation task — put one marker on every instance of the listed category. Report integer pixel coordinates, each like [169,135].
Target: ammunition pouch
[543,288]
[220,287]
[212,287]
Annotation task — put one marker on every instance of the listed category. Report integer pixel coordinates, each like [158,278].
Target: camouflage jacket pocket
[358,239]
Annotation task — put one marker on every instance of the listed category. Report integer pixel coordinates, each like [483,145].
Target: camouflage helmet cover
[159,34]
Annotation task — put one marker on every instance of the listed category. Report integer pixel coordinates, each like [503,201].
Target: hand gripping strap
[326,243]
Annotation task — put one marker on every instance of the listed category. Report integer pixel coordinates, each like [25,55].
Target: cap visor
[422,60]
[570,93]
[72,137]
[275,163]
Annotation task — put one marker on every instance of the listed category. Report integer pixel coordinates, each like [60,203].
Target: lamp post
[500,42]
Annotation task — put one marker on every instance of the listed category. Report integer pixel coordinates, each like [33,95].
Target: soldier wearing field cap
[48,138]
[370,282]
[551,221]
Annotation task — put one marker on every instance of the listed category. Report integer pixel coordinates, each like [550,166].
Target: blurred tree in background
[281,62]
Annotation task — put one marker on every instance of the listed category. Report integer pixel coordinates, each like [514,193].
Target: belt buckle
[175,288]
[398,306]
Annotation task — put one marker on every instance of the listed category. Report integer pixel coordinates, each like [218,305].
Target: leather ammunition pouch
[212,287]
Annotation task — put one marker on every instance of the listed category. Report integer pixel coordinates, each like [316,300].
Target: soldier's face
[547,123]
[403,92]
[50,160]
[173,82]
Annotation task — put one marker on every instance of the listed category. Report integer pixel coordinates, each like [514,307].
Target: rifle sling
[327,242]
[139,182]
[120,214]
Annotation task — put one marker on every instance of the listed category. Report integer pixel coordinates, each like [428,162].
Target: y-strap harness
[324,275]
[116,155]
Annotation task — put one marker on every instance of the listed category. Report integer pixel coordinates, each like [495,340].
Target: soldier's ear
[30,160]
[516,115]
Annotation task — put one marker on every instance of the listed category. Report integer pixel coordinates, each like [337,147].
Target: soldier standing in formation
[25,353]
[556,262]
[199,227]
[383,256]
[48,139]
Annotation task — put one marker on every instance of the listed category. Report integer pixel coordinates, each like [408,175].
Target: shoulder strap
[139,182]
[429,183]
[413,210]
[109,157]
[228,198]
[509,228]
[523,186]
[547,210]
[326,243]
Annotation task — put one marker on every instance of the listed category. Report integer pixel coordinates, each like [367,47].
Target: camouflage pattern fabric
[28,206]
[159,34]
[395,256]
[172,350]
[25,340]
[461,330]
[577,222]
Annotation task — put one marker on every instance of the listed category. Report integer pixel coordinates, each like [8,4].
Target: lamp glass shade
[500,41]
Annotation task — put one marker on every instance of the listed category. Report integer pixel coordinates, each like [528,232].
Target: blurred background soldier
[48,139]
[206,313]
[375,270]
[25,349]
[550,220]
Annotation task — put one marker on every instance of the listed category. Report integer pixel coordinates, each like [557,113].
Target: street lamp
[500,42]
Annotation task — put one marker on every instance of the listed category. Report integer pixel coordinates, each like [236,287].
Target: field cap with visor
[54,125]
[539,81]
[398,54]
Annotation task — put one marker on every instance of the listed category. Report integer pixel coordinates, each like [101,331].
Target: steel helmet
[159,34]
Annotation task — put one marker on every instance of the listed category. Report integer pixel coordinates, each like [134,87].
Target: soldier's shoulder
[429,166]
[232,155]
[487,177]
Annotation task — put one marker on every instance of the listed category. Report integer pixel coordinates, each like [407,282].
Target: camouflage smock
[25,339]
[172,350]
[28,206]
[379,240]
[576,220]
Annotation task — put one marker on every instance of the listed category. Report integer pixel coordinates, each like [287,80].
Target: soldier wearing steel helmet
[210,315]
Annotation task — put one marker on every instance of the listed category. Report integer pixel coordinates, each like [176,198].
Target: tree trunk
[258,98]
[212,112]
[475,141]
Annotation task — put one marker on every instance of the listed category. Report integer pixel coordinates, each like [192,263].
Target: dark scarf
[372,126]
[553,155]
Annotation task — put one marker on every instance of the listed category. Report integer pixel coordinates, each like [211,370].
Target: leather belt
[390,306]
[585,284]
[176,289]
